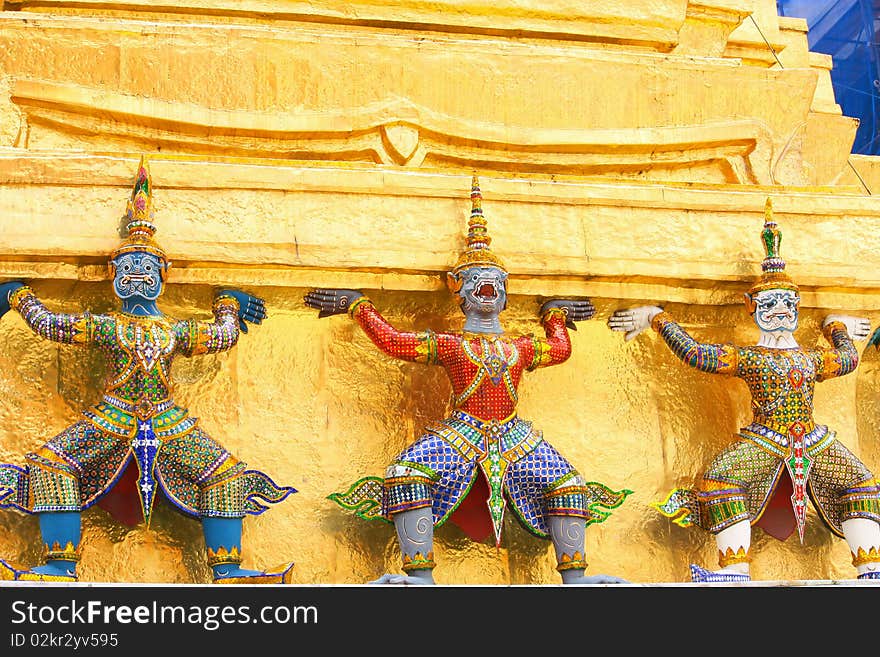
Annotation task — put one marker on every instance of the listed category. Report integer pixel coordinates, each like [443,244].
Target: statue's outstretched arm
[422,346]
[251,309]
[572,310]
[233,310]
[843,357]
[557,315]
[633,321]
[712,358]
[58,327]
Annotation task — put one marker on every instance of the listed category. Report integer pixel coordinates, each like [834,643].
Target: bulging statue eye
[126,267]
[148,267]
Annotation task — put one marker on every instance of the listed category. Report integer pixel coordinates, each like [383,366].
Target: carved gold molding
[397,132]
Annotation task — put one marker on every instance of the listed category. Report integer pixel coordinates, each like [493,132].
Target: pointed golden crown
[478,253]
[139,214]
[773,276]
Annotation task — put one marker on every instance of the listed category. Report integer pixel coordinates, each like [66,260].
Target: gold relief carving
[738,151]
[396,81]
[401,141]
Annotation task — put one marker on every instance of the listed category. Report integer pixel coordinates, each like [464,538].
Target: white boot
[733,541]
[863,537]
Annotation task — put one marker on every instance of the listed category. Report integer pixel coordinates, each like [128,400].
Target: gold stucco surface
[625,153]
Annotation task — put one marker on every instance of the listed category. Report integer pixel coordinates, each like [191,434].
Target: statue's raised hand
[5,290]
[576,310]
[857,327]
[250,308]
[633,320]
[331,301]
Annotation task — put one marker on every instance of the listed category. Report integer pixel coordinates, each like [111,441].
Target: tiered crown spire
[139,214]
[773,276]
[478,252]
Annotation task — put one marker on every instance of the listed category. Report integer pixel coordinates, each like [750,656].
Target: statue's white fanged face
[777,310]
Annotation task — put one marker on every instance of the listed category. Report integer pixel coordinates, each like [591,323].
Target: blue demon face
[138,275]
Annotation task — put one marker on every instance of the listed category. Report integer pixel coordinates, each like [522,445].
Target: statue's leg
[220,489]
[863,537]
[222,523]
[408,501]
[415,535]
[733,544]
[846,491]
[545,486]
[61,533]
[568,534]
[723,500]
[223,542]
[56,501]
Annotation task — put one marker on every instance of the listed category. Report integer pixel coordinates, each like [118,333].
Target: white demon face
[777,310]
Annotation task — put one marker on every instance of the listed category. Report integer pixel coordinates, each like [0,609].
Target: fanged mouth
[486,291]
[130,279]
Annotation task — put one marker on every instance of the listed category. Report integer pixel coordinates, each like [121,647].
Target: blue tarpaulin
[847,30]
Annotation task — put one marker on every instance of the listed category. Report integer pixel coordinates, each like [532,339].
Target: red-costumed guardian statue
[482,457]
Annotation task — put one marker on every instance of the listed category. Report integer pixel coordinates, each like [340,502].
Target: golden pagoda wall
[624,155]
